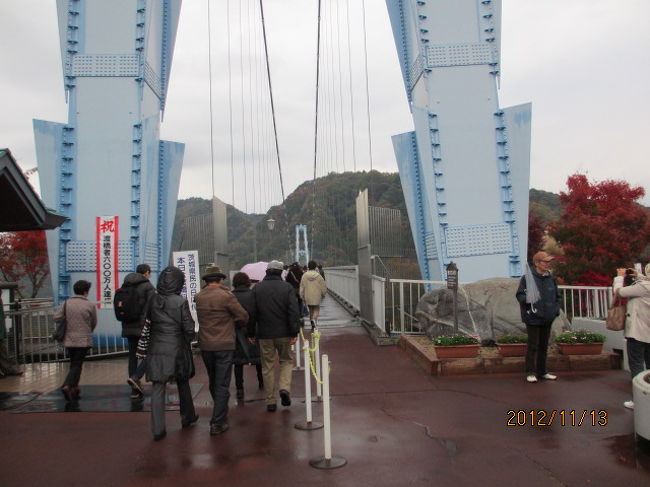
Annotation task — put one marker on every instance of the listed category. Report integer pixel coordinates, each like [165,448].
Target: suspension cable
[365,57]
[313,209]
[354,144]
[268,73]
[275,126]
[210,99]
[230,115]
[242,104]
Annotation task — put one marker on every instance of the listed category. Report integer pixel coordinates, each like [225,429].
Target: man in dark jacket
[539,315]
[131,330]
[278,321]
[218,311]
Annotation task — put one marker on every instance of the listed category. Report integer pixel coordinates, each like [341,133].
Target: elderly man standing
[218,311]
[539,303]
[278,321]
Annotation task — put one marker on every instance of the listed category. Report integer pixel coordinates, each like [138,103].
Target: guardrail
[344,282]
[29,332]
[30,328]
[586,301]
[400,297]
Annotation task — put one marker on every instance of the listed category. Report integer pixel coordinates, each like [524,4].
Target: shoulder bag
[61,325]
[616,315]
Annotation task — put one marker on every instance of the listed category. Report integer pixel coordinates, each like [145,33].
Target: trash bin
[641,397]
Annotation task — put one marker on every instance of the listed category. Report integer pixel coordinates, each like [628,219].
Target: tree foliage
[536,228]
[23,258]
[602,227]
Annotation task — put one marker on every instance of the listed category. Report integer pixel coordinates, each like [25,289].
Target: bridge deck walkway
[394,425]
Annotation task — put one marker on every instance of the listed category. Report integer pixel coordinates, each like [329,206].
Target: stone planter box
[512,349]
[490,361]
[580,348]
[457,351]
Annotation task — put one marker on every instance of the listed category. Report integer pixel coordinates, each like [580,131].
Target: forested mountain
[329,211]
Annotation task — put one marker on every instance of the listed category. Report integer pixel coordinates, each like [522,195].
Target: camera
[630,272]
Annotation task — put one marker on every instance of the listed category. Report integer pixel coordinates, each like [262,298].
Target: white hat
[275,264]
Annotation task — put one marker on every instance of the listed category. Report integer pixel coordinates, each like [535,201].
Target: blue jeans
[219,367]
[638,356]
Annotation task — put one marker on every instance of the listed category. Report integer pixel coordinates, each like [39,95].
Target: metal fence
[586,301]
[30,327]
[400,297]
[29,334]
[344,282]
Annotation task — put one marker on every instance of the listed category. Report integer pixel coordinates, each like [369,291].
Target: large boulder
[486,308]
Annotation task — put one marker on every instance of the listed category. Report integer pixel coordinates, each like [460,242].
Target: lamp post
[270,224]
[452,283]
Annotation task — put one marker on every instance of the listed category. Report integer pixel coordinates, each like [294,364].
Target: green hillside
[332,223]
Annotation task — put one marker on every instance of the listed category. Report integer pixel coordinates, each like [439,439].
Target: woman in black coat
[169,357]
[245,353]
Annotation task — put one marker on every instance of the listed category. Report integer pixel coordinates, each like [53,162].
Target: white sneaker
[548,376]
[629,404]
[531,378]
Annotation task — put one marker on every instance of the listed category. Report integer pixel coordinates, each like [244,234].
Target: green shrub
[580,336]
[449,341]
[507,339]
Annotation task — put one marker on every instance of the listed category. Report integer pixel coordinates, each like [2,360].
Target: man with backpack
[129,306]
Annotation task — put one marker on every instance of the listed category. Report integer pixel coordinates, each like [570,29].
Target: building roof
[22,207]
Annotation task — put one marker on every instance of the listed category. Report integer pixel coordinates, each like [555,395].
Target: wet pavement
[395,426]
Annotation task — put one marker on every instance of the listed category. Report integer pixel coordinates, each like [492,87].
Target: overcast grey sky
[584,64]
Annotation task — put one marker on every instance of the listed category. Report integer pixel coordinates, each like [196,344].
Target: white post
[318,371]
[327,461]
[308,424]
[308,417]
[327,434]
[297,350]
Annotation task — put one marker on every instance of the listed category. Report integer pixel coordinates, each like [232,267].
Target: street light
[270,223]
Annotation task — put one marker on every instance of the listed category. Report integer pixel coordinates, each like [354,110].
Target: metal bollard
[327,461]
[308,424]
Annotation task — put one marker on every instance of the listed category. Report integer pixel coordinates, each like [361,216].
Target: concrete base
[422,351]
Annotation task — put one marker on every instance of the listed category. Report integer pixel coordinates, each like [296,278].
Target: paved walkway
[394,425]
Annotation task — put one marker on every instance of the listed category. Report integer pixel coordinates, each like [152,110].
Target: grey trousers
[158,404]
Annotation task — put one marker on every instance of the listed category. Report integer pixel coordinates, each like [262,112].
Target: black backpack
[126,304]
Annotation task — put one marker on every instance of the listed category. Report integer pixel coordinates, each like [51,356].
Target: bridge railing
[344,283]
[400,297]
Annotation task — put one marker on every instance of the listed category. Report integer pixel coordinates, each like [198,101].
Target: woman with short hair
[81,319]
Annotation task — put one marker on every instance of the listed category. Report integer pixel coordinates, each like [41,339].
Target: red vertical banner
[107,232]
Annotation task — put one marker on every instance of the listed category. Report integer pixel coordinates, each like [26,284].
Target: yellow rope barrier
[315,336]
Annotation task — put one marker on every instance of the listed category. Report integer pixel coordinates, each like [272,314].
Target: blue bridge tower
[465,167]
[106,169]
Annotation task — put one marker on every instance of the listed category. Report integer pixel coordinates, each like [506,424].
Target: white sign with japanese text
[188,262]
[107,229]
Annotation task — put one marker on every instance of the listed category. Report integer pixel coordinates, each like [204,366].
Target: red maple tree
[536,228]
[23,257]
[602,227]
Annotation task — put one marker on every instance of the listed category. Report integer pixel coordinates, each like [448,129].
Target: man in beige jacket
[312,291]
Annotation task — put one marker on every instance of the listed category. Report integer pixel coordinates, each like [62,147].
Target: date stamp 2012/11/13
[560,417]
